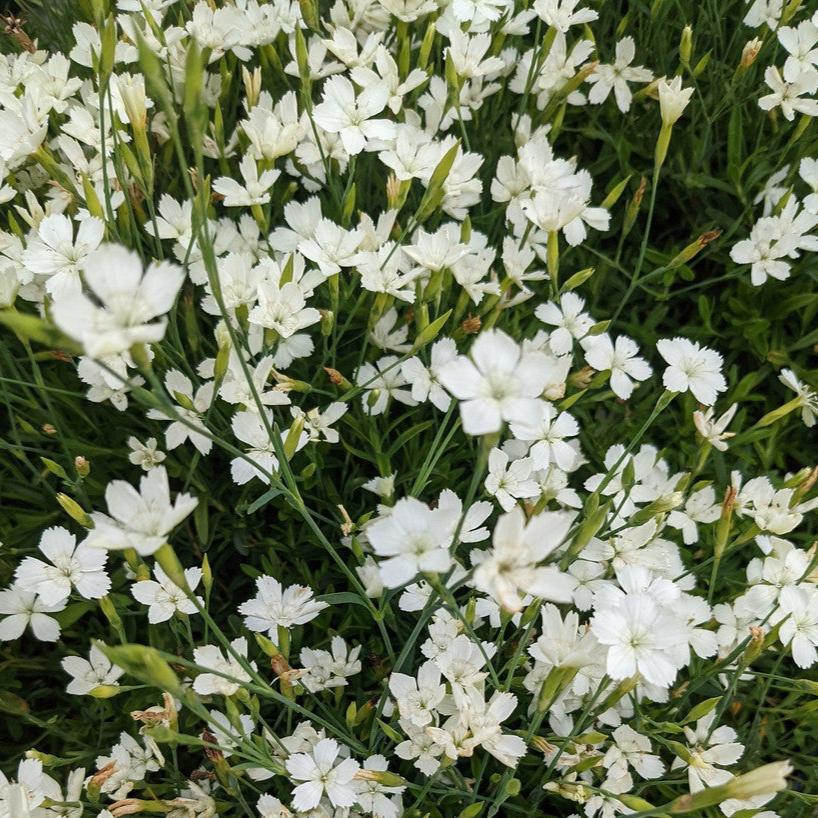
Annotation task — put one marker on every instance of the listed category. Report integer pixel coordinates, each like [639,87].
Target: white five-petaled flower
[142,519]
[512,567]
[508,482]
[620,357]
[692,367]
[807,397]
[615,77]
[127,304]
[163,597]
[714,430]
[570,320]
[69,566]
[86,674]
[352,116]
[322,774]
[640,638]
[498,382]
[414,539]
[54,253]
[230,671]
[254,191]
[275,607]
[792,97]
[23,608]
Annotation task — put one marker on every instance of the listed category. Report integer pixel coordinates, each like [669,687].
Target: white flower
[142,519]
[640,637]
[562,14]
[512,567]
[382,486]
[547,437]
[790,96]
[621,358]
[351,115]
[226,665]
[322,775]
[765,251]
[373,796]
[630,749]
[191,406]
[386,336]
[807,396]
[673,99]
[571,322]
[418,698]
[322,670]
[799,629]
[53,252]
[382,381]
[414,538]
[22,608]
[712,430]
[607,78]
[144,454]
[129,300]
[318,424]
[424,380]
[692,367]
[498,382]
[283,309]
[565,207]
[86,674]
[708,748]
[275,607]
[468,54]
[71,566]
[254,191]
[163,597]
[507,483]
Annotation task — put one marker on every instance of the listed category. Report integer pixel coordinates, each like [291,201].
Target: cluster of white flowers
[269,239]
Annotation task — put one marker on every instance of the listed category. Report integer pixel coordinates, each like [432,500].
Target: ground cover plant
[408,408]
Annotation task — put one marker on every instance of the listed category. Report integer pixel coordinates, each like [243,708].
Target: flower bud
[749,53]
[144,663]
[74,510]
[337,378]
[694,248]
[383,777]
[686,45]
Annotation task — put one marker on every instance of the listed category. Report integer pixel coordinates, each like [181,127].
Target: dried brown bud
[14,28]
[215,755]
[280,665]
[471,325]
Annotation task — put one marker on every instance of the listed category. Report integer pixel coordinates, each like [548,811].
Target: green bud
[75,511]
[686,45]
[143,663]
[105,691]
[616,192]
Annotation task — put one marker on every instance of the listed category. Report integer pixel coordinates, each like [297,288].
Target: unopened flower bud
[337,378]
[749,53]
[74,510]
[694,248]
[383,777]
[686,45]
